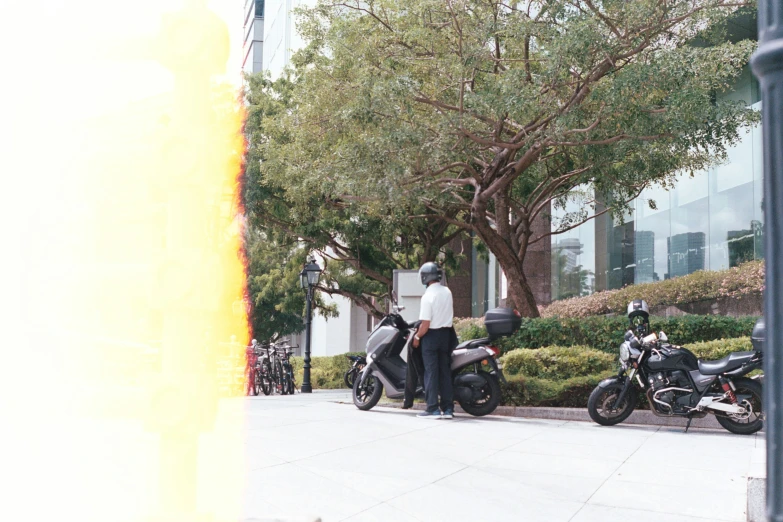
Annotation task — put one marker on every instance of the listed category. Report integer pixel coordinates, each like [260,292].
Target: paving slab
[312,456]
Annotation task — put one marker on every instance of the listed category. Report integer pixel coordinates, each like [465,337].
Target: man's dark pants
[436,352]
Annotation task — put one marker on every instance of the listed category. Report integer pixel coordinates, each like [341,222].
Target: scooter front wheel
[366,394]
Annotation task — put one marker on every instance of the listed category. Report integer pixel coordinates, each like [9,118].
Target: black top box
[758,335]
[502,322]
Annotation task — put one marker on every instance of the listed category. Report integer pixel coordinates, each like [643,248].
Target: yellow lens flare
[124,320]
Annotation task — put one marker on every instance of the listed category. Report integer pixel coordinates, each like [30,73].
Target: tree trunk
[520,295]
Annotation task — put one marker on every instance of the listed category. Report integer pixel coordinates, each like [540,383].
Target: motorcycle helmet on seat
[639,316]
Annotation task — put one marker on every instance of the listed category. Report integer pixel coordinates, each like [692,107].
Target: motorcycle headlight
[625,352]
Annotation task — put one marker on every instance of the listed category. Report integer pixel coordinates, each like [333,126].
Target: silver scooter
[476,389]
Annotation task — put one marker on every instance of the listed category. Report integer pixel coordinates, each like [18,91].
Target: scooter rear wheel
[488,400]
[366,394]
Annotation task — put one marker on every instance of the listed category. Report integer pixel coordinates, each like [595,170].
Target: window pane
[687,247]
[731,207]
[573,257]
[653,229]
[615,251]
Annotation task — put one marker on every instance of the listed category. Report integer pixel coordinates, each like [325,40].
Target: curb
[642,417]
[757,499]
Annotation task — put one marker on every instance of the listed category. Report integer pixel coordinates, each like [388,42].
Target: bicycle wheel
[266,380]
[251,388]
[279,377]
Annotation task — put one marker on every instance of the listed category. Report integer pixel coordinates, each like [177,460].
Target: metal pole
[306,386]
[767,64]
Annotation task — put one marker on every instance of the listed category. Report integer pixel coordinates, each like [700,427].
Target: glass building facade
[710,221]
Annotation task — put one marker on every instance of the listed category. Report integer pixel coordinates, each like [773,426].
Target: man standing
[434,335]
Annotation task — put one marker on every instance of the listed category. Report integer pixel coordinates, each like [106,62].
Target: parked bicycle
[284,352]
[264,373]
[251,358]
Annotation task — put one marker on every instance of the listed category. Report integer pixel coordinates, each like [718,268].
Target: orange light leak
[121,273]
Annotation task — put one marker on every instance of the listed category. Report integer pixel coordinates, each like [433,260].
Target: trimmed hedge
[712,350]
[606,333]
[558,376]
[558,362]
[738,282]
[325,372]
[565,376]
[531,391]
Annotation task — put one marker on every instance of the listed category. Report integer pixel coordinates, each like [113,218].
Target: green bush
[470,328]
[325,372]
[746,279]
[532,391]
[565,376]
[606,333]
[720,348]
[558,362]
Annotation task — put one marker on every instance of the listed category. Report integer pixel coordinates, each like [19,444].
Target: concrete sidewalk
[311,457]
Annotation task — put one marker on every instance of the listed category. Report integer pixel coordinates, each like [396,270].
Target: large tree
[486,114]
[360,240]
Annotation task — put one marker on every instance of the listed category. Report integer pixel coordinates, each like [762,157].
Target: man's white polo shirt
[437,306]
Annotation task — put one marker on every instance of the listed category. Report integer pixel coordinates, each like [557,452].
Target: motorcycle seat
[727,364]
[473,343]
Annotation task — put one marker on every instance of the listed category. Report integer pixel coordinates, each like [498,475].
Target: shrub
[558,362]
[325,372]
[565,377]
[606,333]
[569,393]
[737,282]
[470,328]
[720,348]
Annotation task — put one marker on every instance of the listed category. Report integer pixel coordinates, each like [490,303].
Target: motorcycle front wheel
[367,394]
[752,420]
[488,397]
[601,405]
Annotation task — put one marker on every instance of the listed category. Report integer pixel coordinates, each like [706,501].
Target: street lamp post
[767,64]
[308,280]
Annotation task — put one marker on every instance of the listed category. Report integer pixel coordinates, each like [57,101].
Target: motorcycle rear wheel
[600,398]
[349,377]
[754,421]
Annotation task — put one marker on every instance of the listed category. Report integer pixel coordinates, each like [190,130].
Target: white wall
[281,39]
[332,336]
[359,332]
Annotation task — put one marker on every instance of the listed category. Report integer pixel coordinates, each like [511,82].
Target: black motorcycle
[357,363]
[677,384]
